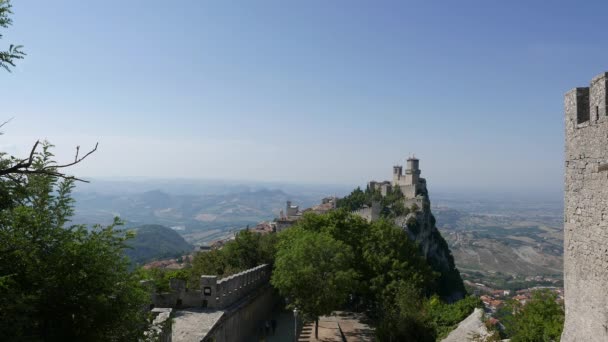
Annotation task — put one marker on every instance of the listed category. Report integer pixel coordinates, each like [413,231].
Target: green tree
[246,251]
[405,318]
[357,199]
[445,317]
[8,57]
[390,257]
[540,319]
[61,282]
[314,271]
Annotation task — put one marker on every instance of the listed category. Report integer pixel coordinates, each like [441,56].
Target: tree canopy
[314,271]
[61,282]
[540,319]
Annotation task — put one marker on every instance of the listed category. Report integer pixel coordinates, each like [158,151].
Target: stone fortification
[586,213]
[410,183]
[213,293]
[420,225]
[369,213]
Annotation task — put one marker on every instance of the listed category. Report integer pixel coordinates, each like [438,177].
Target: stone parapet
[213,293]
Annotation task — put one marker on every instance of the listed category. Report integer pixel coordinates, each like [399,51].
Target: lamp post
[295,324]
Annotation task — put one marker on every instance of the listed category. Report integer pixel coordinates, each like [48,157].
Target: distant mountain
[200,213]
[155,242]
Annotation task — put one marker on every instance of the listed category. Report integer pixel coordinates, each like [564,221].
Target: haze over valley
[502,239]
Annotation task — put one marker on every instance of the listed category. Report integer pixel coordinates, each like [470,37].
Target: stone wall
[370,214]
[241,322]
[213,293]
[586,213]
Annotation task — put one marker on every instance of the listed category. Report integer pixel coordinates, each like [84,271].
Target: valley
[496,240]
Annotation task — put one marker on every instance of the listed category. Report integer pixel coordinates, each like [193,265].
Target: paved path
[341,326]
[283,333]
[191,325]
[328,331]
[331,328]
[354,328]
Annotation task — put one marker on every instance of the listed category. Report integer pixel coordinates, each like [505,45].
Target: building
[410,183]
[586,212]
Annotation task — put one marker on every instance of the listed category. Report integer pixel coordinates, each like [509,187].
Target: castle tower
[586,213]
[397,173]
[412,173]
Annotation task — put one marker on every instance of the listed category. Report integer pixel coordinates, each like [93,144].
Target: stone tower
[397,173]
[586,213]
[412,173]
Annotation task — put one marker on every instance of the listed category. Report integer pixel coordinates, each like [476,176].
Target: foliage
[414,318]
[60,282]
[355,200]
[445,317]
[246,251]
[392,204]
[406,319]
[390,259]
[161,277]
[384,259]
[540,319]
[8,57]
[314,271]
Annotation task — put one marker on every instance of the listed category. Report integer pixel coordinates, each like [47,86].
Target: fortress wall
[214,293]
[369,213]
[226,291]
[240,323]
[418,201]
[408,191]
[586,213]
[164,300]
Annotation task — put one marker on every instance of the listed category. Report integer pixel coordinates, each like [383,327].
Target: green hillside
[156,242]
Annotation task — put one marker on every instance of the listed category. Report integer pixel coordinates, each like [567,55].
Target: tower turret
[397,173]
[412,173]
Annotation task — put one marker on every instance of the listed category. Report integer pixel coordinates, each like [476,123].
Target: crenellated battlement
[587,106]
[213,293]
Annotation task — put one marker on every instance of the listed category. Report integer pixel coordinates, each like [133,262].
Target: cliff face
[420,225]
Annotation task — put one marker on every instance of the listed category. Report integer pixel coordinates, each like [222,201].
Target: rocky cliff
[420,225]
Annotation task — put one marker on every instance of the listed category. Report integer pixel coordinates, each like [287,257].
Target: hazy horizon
[315,92]
[214,186]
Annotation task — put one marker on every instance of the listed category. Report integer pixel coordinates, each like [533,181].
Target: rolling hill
[155,242]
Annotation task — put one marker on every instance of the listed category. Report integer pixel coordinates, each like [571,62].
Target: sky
[303,91]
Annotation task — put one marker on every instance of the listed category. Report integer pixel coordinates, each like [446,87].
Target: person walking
[273,322]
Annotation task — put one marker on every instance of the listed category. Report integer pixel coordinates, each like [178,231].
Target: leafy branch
[22,167]
[14,52]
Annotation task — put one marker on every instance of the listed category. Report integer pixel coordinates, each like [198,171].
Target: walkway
[340,327]
[192,325]
[283,332]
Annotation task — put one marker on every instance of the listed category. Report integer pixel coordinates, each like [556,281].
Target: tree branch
[23,166]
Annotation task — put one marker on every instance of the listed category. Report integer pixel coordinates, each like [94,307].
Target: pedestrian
[273,322]
[267,327]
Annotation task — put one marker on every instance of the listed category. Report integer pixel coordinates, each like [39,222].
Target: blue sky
[307,91]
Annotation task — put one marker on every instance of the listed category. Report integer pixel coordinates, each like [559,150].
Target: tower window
[597,113]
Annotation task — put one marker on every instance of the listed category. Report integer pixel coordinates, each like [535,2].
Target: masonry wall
[213,293]
[586,213]
[242,322]
[370,214]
